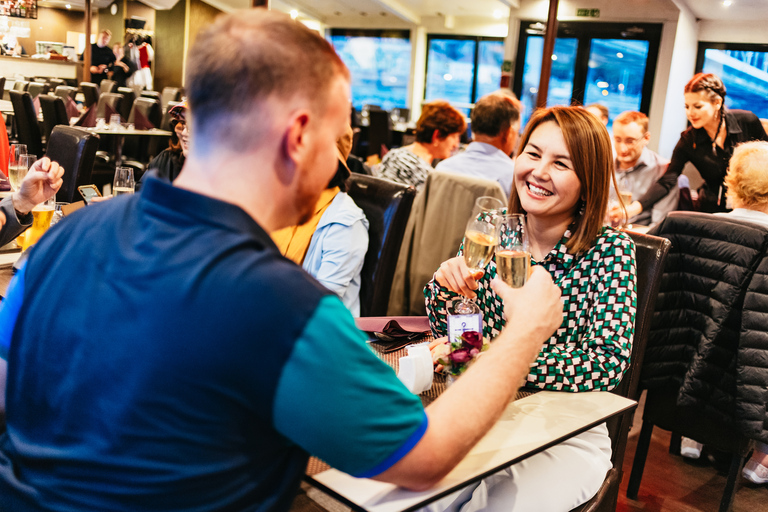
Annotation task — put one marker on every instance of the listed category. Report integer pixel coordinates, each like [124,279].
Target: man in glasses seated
[159,352]
[637,168]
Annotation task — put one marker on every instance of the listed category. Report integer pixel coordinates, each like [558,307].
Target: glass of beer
[123,183]
[14,165]
[480,238]
[41,221]
[513,255]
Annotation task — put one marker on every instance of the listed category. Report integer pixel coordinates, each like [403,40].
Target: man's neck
[486,139]
[627,166]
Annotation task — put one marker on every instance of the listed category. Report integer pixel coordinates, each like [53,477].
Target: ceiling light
[498,14]
[294,14]
[727,3]
[68,6]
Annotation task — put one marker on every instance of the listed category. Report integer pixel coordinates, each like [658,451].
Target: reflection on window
[561,76]
[380,68]
[490,58]
[745,75]
[450,69]
[615,75]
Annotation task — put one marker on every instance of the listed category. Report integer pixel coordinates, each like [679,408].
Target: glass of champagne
[14,164]
[480,238]
[123,183]
[513,255]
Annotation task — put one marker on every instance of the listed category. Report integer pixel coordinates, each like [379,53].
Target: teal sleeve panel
[340,402]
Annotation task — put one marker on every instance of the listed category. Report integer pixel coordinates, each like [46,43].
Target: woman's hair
[747,178]
[589,146]
[441,116]
[178,114]
[713,87]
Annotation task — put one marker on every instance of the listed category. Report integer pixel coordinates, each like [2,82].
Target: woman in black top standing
[708,142]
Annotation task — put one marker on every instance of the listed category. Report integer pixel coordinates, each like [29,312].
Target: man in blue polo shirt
[160,354]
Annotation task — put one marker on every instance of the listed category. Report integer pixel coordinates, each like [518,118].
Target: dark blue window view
[561,77]
[745,75]
[615,75]
[461,70]
[380,67]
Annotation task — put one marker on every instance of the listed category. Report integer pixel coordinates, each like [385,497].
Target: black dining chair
[151,94]
[129,96]
[650,254]
[20,85]
[90,93]
[387,206]
[53,83]
[35,89]
[107,86]
[65,91]
[149,108]
[113,100]
[379,132]
[139,150]
[168,95]
[54,113]
[26,122]
[74,149]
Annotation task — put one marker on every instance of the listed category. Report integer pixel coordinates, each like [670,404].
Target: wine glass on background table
[14,155]
[513,254]
[480,239]
[123,183]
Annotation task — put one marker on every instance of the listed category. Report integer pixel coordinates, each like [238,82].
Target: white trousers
[555,480]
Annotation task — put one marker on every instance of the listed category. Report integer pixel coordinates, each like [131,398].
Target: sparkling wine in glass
[19,170]
[123,182]
[14,165]
[513,256]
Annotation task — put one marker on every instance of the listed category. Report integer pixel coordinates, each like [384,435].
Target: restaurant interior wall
[745,31]
[52,25]
[112,22]
[169,54]
[200,15]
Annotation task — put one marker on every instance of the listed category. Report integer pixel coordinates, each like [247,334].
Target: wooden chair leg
[732,484]
[638,463]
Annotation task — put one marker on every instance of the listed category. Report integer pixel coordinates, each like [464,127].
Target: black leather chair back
[650,253]
[150,108]
[90,93]
[107,86]
[54,113]
[169,94]
[74,149]
[387,206]
[53,83]
[20,85]
[35,89]
[26,122]
[64,91]
[151,94]
[379,131]
[115,101]
[129,96]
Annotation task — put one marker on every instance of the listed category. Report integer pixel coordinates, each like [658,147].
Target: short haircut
[441,116]
[589,146]
[747,178]
[493,114]
[106,31]
[602,108]
[248,64]
[630,116]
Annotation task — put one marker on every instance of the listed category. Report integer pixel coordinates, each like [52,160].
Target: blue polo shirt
[162,355]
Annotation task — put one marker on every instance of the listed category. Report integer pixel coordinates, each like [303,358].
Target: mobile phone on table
[88,192]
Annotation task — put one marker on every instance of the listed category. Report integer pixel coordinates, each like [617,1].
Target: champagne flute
[513,254]
[15,154]
[480,238]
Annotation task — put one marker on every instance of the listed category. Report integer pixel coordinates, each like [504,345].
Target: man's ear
[294,144]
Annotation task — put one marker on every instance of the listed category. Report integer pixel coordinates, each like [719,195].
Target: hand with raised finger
[454,275]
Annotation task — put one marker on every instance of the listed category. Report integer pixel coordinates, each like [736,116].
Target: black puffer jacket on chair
[709,336]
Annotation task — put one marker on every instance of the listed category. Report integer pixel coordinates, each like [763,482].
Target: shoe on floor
[690,449]
[755,472]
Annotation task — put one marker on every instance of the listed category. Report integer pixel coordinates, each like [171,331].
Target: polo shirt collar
[159,197]
[642,162]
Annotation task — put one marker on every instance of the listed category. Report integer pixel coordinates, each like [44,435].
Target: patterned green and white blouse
[591,349]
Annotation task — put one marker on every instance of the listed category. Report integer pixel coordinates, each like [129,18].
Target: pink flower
[461,356]
[473,339]
[473,353]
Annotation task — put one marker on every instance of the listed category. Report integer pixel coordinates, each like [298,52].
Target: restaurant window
[608,63]
[461,69]
[379,62]
[743,68]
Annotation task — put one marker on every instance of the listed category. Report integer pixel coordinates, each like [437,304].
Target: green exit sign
[588,13]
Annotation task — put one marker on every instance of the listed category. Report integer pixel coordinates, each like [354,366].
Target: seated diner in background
[637,169]
[708,143]
[747,192]
[437,135]
[495,124]
[562,180]
[168,163]
[218,380]
[331,246]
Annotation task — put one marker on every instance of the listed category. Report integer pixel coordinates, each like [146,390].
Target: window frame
[477,40]
[584,32]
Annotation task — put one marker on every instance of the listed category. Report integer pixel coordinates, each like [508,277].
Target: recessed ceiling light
[727,3]
[68,6]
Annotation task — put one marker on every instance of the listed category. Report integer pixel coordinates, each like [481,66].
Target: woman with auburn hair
[437,136]
[562,180]
[708,142]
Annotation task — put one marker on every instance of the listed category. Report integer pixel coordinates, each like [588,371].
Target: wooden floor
[674,484]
